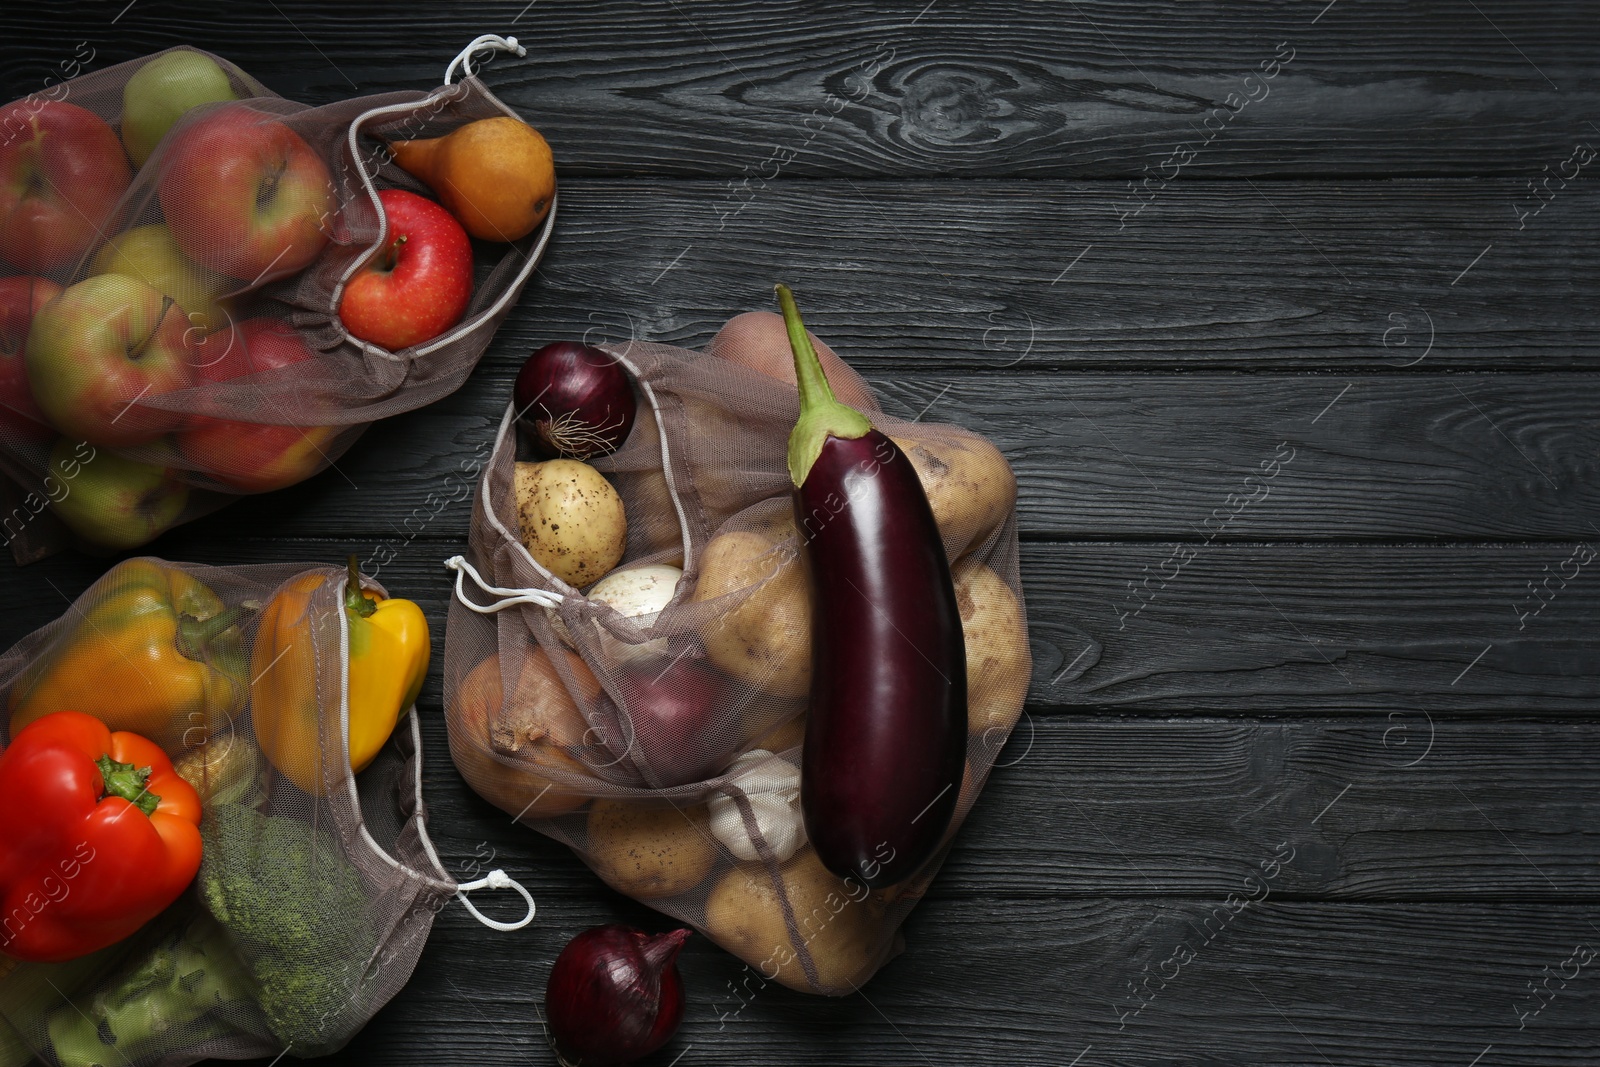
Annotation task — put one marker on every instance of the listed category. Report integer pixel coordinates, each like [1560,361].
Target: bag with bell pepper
[212,837]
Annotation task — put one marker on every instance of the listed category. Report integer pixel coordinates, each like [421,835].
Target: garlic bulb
[773,788]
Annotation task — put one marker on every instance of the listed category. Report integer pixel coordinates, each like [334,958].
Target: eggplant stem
[821,414]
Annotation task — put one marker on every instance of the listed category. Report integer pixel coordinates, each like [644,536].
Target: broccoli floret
[171,996]
[297,911]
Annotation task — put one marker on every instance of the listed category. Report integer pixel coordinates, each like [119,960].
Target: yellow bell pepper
[388,660]
[151,650]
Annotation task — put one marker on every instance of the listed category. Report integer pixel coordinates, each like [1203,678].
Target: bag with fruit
[212,836]
[213,290]
[767,731]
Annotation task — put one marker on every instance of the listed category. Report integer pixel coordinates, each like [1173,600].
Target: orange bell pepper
[388,660]
[152,650]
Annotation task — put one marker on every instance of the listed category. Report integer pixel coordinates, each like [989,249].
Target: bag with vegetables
[749,647]
[212,837]
[207,290]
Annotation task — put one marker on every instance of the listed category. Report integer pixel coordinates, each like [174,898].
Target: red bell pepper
[98,834]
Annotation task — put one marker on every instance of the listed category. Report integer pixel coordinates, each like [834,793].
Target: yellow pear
[496,176]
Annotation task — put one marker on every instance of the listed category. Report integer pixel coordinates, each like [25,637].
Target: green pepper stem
[821,415]
[128,782]
[195,635]
[354,599]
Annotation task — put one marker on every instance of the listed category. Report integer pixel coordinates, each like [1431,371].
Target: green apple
[110,501]
[161,91]
[150,254]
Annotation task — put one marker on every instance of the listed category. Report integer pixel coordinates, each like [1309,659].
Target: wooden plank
[1294,627]
[1239,628]
[1000,88]
[1389,806]
[987,276]
[1002,981]
[1492,457]
[1397,809]
[1035,277]
[1107,457]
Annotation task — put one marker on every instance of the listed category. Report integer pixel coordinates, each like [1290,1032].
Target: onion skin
[886,731]
[574,402]
[614,995]
[672,707]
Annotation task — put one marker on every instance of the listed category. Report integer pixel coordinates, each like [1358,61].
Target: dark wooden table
[1147,249]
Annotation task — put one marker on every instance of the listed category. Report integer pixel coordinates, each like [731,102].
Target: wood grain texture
[1101,457]
[1291,627]
[1242,628]
[1396,809]
[1353,667]
[998,88]
[1043,982]
[985,276]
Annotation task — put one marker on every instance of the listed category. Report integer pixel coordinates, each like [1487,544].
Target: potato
[766,639]
[790,734]
[759,340]
[571,519]
[650,851]
[996,633]
[968,482]
[841,930]
[500,749]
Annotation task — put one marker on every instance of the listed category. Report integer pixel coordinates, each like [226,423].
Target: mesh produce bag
[239,376]
[317,887]
[545,688]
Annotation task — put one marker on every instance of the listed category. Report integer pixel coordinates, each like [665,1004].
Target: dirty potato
[765,639]
[650,851]
[969,484]
[838,924]
[571,519]
[995,630]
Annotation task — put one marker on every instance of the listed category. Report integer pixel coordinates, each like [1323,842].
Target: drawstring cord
[510,597]
[497,879]
[489,42]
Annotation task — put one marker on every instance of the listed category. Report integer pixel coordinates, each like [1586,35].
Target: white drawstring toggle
[489,42]
[510,598]
[497,879]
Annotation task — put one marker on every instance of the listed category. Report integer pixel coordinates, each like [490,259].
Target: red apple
[21,297]
[419,286]
[62,174]
[672,705]
[98,349]
[245,195]
[254,457]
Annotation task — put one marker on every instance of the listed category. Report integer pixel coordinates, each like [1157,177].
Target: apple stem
[392,257]
[136,350]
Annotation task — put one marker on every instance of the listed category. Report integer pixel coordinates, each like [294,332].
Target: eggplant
[886,736]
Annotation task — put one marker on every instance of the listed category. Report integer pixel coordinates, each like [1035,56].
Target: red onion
[574,401]
[671,706]
[614,995]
